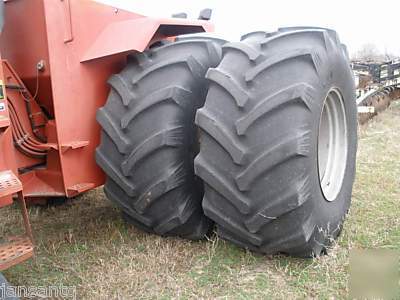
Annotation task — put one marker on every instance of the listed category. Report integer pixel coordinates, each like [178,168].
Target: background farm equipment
[378,84]
[385,73]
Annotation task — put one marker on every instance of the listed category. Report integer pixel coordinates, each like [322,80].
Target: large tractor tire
[149,139]
[278,141]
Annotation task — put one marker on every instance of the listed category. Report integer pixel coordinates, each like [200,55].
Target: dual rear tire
[278,126]
[149,138]
[278,134]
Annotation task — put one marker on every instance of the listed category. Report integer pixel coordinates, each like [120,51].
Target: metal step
[15,250]
[9,184]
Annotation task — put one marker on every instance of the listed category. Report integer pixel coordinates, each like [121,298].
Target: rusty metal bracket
[79,188]
[73,145]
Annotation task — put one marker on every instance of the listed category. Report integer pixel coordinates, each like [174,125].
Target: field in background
[85,243]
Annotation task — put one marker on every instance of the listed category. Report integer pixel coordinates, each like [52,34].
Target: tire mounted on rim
[149,138]
[278,141]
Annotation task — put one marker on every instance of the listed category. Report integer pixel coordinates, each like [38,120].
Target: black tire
[149,139]
[259,141]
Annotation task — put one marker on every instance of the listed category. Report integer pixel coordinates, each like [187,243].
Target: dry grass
[85,243]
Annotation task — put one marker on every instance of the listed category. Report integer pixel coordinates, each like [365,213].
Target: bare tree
[389,56]
[369,52]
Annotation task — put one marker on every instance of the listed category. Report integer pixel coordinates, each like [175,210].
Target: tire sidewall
[330,214]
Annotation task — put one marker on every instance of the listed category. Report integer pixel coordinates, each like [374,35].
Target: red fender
[142,31]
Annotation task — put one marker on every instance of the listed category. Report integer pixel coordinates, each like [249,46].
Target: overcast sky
[357,22]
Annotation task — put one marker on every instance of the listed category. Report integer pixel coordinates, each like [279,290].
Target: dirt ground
[84,243]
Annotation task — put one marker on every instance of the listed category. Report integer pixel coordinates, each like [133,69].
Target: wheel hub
[332,145]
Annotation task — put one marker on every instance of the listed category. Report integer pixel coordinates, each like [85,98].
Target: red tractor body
[63,52]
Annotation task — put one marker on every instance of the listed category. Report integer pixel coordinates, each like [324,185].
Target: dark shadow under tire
[149,139]
[265,183]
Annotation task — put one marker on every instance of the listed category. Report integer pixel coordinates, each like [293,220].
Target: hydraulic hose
[22,139]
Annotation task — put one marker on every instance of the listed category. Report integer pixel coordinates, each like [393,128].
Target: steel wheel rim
[332,145]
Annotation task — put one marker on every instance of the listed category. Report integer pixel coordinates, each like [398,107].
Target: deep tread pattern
[181,216]
[295,196]
[332,33]
[142,60]
[113,130]
[238,94]
[298,32]
[256,35]
[114,193]
[205,171]
[195,67]
[149,139]
[258,132]
[223,220]
[176,94]
[206,36]
[288,147]
[113,172]
[302,92]
[210,125]
[171,137]
[247,50]
[280,58]
[118,83]
[172,180]
[298,238]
